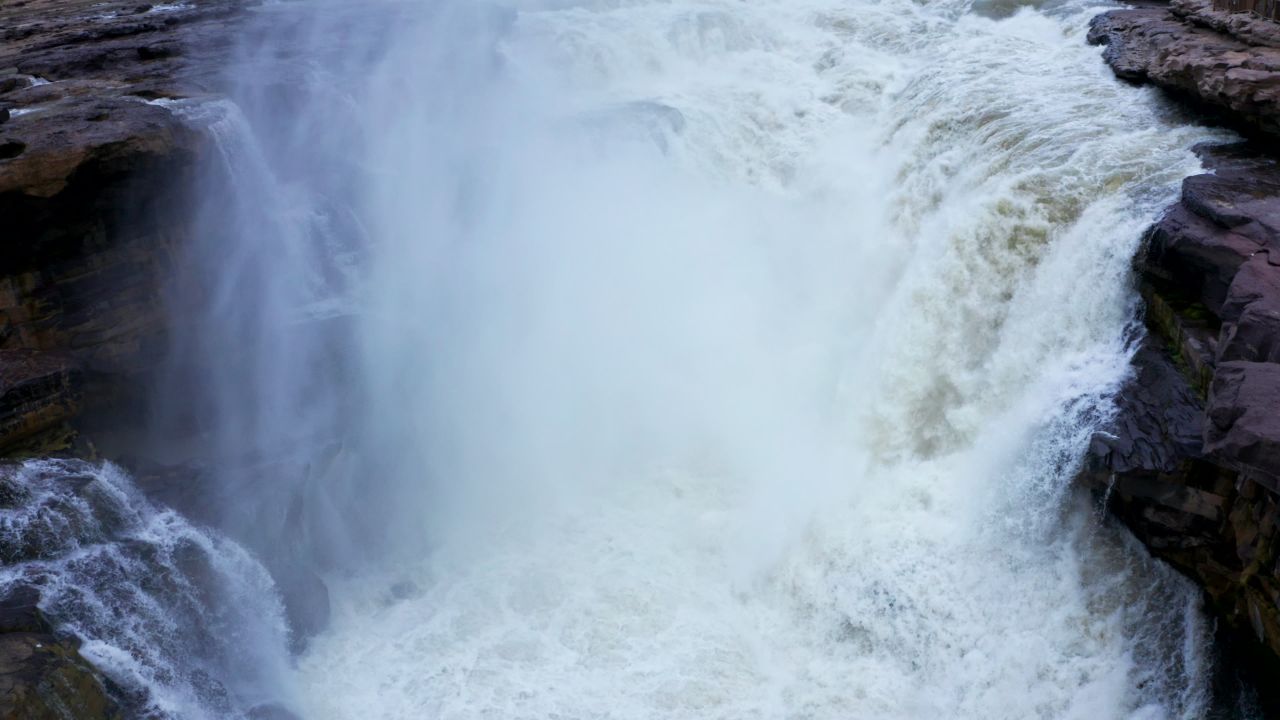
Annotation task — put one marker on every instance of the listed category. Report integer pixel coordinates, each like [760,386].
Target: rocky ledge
[92,170]
[1225,62]
[92,167]
[1192,462]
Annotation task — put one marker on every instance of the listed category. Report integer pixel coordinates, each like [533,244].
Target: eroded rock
[43,677]
[1211,278]
[1230,64]
[1244,417]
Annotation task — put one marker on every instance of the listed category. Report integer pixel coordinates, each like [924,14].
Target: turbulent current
[686,359]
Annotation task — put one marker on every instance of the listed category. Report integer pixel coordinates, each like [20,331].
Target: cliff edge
[1192,461]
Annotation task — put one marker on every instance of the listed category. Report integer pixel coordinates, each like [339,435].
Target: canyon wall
[1192,464]
[93,171]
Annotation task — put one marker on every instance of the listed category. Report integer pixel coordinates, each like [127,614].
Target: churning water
[725,359]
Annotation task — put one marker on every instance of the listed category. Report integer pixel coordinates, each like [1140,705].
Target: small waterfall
[186,623]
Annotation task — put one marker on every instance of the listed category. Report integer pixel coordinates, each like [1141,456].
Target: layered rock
[1229,62]
[93,167]
[42,676]
[1192,462]
[92,170]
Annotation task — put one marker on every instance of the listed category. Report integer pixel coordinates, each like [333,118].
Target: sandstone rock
[1257,281]
[1255,336]
[38,394]
[1235,74]
[92,180]
[1251,313]
[1213,296]
[1245,26]
[1244,426]
[1159,422]
[43,677]
[1220,223]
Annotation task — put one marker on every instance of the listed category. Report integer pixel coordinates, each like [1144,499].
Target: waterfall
[184,622]
[689,359]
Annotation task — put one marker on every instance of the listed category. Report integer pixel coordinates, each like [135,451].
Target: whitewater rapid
[733,360]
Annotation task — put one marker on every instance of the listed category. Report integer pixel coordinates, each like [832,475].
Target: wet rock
[306,603]
[93,178]
[1159,422]
[1256,282]
[43,677]
[39,396]
[1244,417]
[1251,313]
[1207,503]
[1245,26]
[156,52]
[1228,64]
[271,711]
[1220,223]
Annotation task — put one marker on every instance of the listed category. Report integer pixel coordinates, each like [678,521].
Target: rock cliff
[1192,464]
[93,168]
[92,171]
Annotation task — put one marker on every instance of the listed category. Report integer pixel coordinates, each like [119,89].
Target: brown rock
[1244,427]
[1237,74]
[39,396]
[43,677]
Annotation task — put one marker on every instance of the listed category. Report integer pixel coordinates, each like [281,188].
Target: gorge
[702,359]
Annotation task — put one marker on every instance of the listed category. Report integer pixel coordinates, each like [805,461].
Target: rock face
[92,168]
[1226,61]
[43,677]
[1192,463]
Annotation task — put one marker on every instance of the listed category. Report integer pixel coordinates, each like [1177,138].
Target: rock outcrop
[1192,463]
[1229,62]
[93,167]
[42,676]
[92,171]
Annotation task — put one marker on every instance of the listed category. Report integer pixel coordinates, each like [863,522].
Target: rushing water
[687,359]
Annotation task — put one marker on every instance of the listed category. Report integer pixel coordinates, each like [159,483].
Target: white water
[736,358]
[716,359]
[184,622]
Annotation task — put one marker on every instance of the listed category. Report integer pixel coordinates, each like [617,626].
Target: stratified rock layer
[93,165]
[1226,61]
[1192,463]
[42,676]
